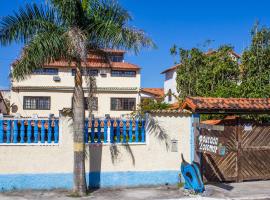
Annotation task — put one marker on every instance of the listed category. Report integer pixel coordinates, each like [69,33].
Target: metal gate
[247,154]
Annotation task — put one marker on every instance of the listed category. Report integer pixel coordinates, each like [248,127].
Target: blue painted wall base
[97,180]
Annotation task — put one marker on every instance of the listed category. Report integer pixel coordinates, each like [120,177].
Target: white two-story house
[170,90]
[50,89]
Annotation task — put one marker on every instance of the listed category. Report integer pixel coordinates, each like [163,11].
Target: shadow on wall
[95,152]
[153,128]
[95,161]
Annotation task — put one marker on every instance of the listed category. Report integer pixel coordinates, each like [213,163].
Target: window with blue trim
[46,71]
[86,72]
[115,58]
[120,73]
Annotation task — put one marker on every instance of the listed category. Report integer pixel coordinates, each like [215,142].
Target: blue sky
[187,23]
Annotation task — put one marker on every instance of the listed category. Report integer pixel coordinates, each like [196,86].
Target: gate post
[195,156]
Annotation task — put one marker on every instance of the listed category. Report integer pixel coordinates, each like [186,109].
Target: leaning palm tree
[69,29]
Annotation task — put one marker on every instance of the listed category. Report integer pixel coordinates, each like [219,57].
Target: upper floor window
[36,103]
[169,75]
[119,73]
[114,58]
[123,104]
[170,95]
[46,71]
[86,72]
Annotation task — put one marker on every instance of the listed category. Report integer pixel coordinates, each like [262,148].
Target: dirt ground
[245,190]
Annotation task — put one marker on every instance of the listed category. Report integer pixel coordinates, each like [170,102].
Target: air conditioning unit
[103,73]
[56,78]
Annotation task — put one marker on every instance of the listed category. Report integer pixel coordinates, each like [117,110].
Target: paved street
[241,191]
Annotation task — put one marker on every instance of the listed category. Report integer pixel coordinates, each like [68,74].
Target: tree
[152,104]
[213,74]
[255,66]
[68,29]
[173,52]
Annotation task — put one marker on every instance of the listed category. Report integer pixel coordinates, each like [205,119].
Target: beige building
[50,89]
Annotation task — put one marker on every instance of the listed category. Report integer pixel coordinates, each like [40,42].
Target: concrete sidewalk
[241,191]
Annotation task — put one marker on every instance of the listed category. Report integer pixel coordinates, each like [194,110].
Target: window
[36,103]
[124,104]
[115,58]
[170,95]
[94,103]
[118,73]
[86,72]
[46,71]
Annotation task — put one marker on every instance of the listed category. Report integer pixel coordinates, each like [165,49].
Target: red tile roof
[227,105]
[114,65]
[175,106]
[170,69]
[157,92]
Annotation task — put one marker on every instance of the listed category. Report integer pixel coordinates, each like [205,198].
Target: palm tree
[173,52]
[69,29]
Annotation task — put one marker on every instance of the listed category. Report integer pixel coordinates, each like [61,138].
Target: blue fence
[115,131]
[29,131]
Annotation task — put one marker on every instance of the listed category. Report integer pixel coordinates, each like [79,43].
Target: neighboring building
[50,89]
[170,90]
[3,105]
[151,93]
[170,85]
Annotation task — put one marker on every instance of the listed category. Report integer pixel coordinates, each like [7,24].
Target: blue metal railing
[29,131]
[114,131]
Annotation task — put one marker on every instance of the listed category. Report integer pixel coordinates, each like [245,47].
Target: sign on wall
[211,144]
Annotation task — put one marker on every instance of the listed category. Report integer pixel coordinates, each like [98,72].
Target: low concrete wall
[155,162]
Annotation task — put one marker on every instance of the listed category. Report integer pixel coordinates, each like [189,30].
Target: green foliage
[174,52]
[255,65]
[214,74]
[151,104]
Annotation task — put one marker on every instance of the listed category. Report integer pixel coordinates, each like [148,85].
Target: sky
[186,23]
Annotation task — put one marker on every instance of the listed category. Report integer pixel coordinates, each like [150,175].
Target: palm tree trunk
[80,186]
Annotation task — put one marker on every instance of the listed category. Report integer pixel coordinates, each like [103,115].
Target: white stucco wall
[67,80]
[170,83]
[61,92]
[60,100]
[153,155]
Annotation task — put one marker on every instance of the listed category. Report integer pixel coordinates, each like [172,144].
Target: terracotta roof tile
[175,106]
[158,92]
[170,69]
[114,65]
[227,105]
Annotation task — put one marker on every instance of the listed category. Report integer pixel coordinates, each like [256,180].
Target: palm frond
[71,11]
[107,34]
[108,28]
[44,48]
[28,21]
